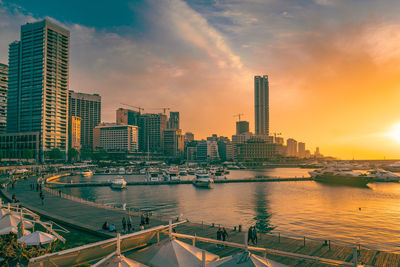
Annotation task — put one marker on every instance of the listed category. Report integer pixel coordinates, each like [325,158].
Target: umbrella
[12,229]
[6,211]
[245,259]
[13,220]
[37,238]
[177,253]
[117,260]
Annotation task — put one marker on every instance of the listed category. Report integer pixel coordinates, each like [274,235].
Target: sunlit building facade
[75,132]
[116,138]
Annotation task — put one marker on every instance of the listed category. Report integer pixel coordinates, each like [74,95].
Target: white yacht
[172,175]
[153,175]
[87,173]
[379,175]
[203,180]
[118,183]
[217,174]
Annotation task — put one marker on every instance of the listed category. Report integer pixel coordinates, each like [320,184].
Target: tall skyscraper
[301,152]
[3,97]
[127,117]
[173,122]
[261,105]
[88,108]
[173,143]
[242,127]
[291,149]
[38,84]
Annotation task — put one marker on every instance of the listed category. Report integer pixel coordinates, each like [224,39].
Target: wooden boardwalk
[89,218]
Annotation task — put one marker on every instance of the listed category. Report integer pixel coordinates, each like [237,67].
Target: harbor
[88,217]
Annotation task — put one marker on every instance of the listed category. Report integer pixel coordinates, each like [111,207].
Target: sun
[394,132]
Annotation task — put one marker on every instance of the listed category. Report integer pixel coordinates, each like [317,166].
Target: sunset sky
[333,65]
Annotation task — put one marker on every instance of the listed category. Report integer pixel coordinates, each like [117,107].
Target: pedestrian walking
[254,236]
[42,198]
[224,234]
[124,223]
[250,235]
[219,236]
[147,219]
[129,223]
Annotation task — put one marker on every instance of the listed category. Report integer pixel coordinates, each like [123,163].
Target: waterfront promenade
[90,218]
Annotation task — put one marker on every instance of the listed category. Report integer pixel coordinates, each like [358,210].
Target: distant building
[173,122]
[127,117]
[239,139]
[291,148]
[279,140]
[242,127]
[21,145]
[38,84]
[88,108]
[191,153]
[212,150]
[201,150]
[301,153]
[75,132]
[256,149]
[173,143]
[151,128]
[189,137]
[317,154]
[225,148]
[116,138]
[3,97]
[261,105]
[307,154]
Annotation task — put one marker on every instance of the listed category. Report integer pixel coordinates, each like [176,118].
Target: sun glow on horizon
[394,132]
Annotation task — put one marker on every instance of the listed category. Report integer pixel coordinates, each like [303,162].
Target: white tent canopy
[120,261]
[37,238]
[13,220]
[12,229]
[175,253]
[245,259]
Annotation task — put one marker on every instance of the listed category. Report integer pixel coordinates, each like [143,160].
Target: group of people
[252,235]
[222,234]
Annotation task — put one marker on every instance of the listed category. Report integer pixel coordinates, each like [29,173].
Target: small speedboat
[217,174]
[118,183]
[153,175]
[203,180]
[183,172]
[172,175]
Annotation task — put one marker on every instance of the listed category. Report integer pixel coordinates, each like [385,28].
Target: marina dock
[89,217]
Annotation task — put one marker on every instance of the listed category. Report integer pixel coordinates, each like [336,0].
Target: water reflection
[261,205]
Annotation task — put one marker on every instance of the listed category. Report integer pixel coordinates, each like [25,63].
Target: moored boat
[341,177]
[379,175]
[217,174]
[202,179]
[118,183]
[153,175]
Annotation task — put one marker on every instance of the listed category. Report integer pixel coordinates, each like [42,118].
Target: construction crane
[139,108]
[238,115]
[164,109]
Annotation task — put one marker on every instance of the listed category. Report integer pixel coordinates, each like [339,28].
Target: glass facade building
[3,96]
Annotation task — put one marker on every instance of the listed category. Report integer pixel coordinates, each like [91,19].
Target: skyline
[216,44]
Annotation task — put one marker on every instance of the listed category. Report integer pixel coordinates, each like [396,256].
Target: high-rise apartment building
[189,137]
[242,127]
[291,148]
[173,122]
[173,143]
[301,152]
[127,117]
[261,105]
[88,108]
[38,84]
[151,129]
[3,97]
